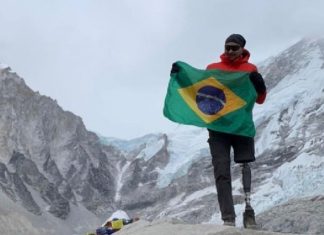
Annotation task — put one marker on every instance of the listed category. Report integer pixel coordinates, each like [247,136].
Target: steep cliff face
[47,150]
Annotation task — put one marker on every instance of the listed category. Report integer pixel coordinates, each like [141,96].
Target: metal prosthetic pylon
[248,214]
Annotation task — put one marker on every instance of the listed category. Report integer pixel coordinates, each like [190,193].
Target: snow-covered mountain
[289,149]
[50,165]
[53,169]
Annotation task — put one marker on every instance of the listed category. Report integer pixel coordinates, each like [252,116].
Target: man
[234,59]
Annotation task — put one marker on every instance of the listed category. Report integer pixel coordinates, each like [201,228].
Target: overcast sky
[108,61]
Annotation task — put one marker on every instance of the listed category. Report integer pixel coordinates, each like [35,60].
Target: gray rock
[296,216]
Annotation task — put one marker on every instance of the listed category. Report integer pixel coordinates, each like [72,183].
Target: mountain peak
[7,73]
[294,59]
[3,66]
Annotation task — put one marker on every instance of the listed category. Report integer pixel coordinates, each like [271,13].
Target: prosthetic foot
[249,218]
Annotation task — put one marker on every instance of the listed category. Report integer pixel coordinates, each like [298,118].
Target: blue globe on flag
[210,100]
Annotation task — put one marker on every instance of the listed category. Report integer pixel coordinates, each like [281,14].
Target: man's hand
[258,82]
[175,68]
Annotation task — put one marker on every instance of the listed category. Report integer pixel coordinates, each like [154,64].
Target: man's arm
[259,86]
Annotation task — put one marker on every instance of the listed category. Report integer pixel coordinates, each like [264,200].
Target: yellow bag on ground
[117,224]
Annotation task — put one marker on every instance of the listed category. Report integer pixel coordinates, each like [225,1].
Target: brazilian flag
[218,100]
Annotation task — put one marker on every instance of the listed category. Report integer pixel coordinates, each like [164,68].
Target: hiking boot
[229,223]
[249,218]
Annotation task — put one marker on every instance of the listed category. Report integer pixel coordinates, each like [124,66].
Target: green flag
[218,100]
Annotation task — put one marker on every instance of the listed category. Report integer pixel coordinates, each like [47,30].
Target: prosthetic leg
[248,214]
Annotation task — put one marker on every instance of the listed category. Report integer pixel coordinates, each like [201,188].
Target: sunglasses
[231,47]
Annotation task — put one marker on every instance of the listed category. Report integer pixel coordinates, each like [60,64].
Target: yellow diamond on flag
[210,99]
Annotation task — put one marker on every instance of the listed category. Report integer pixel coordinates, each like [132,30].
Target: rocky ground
[295,216]
[178,228]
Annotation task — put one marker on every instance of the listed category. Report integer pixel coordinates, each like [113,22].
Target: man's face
[233,50]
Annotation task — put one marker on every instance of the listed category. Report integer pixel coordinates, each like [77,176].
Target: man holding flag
[221,98]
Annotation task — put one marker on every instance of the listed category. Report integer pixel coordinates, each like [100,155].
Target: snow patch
[151,149]
[184,147]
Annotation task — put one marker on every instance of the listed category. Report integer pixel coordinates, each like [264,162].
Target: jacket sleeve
[261,98]
[259,85]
